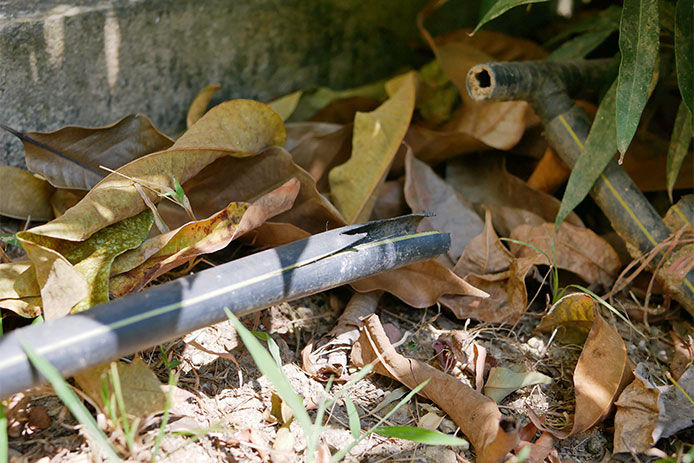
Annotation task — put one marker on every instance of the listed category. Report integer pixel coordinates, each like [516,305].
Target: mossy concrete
[89,63]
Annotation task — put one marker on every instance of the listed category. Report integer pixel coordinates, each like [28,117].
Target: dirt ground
[222,412]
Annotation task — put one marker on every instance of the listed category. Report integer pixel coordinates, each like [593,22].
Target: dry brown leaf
[637,414]
[24,196]
[498,124]
[319,147]
[571,316]
[272,234]
[342,111]
[376,139]
[142,391]
[551,172]
[508,296]
[603,370]
[484,254]
[236,128]
[435,146]
[111,146]
[483,179]
[162,253]
[329,355]
[492,435]
[244,179]
[391,201]
[419,285]
[578,250]
[427,192]
[199,105]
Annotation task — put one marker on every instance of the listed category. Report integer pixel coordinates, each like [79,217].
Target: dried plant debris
[507,326]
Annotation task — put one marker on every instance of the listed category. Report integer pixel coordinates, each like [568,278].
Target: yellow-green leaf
[286,105]
[86,266]
[377,137]
[164,252]
[142,391]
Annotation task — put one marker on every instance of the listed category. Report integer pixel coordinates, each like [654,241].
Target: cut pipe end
[480,82]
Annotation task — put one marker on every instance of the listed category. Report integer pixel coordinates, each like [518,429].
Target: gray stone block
[83,62]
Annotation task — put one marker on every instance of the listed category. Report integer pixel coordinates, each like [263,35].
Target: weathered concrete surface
[84,62]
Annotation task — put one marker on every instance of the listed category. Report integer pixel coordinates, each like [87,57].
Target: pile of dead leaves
[125,204]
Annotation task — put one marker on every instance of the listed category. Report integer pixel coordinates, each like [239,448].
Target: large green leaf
[494,8]
[608,19]
[679,145]
[598,150]
[639,30]
[580,46]
[684,50]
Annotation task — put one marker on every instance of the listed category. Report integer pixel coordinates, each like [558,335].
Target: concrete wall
[91,62]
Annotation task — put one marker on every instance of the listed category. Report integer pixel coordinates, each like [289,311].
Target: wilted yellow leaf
[377,137]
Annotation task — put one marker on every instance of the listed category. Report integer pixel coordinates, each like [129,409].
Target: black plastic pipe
[549,87]
[145,319]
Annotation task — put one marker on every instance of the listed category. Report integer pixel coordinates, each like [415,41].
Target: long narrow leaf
[580,46]
[494,8]
[271,345]
[679,146]
[268,367]
[639,31]
[421,435]
[71,401]
[598,150]
[684,51]
[353,415]
[4,445]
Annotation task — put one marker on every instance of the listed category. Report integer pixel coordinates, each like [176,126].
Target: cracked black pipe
[549,88]
[163,312]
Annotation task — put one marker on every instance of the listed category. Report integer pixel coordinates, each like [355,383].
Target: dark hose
[549,87]
[145,319]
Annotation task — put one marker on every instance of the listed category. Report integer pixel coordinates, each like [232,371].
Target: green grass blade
[165,416]
[71,401]
[639,31]
[421,435]
[271,345]
[353,414]
[679,146]
[684,51]
[4,442]
[342,453]
[598,150]
[494,8]
[272,371]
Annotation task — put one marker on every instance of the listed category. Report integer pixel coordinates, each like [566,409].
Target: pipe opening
[480,82]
